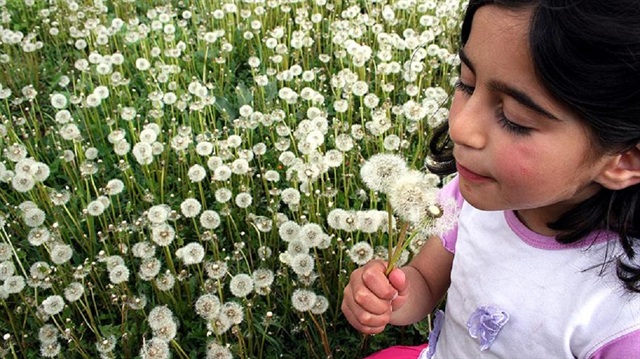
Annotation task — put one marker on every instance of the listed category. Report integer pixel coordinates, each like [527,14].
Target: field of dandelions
[197,179]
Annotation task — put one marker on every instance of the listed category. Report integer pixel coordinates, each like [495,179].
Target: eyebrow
[510,91]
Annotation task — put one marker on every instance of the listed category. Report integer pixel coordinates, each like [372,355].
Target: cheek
[518,164]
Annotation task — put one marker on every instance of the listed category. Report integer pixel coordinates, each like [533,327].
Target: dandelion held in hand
[412,195]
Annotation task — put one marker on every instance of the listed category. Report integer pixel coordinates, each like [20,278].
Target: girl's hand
[371,296]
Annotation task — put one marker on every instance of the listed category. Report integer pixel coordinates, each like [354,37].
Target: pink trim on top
[626,346]
[546,242]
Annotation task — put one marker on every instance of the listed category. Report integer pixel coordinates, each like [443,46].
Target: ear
[622,170]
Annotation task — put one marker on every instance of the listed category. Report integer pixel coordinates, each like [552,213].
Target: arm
[428,276]
[371,300]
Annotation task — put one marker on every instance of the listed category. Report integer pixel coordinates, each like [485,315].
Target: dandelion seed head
[158,214]
[14,284]
[155,349]
[25,166]
[208,306]
[410,196]
[15,152]
[220,325]
[143,250]
[48,334]
[33,217]
[222,173]
[50,350]
[39,270]
[216,269]
[119,274]
[321,305]
[303,300]
[7,269]
[348,221]
[53,305]
[38,236]
[214,162]
[404,258]
[95,208]
[159,315]
[149,268]
[344,142]
[143,153]
[142,64]
[23,182]
[190,207]
[243,200]
[204,148]
[368,221]
[165,282]
[163,234]
[166,332]
[361,253]
[106,345]
[272,176]
[381,170]
[192,253]
[264,252]
[296,246]
[240,166]
[233,311]
[210,219]
[121,148]
[263,277]
[61,253]
[311,234]
[302,264]
[114,187]
[290,196]
[217,351]
[73,291]
[241,285]
[58,101]
[5,251]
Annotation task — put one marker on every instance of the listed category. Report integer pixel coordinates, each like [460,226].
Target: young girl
[544,134]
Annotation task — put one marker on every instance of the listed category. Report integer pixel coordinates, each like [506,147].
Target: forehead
[499,32]
[498,48]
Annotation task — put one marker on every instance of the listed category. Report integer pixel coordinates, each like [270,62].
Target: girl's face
[515,146]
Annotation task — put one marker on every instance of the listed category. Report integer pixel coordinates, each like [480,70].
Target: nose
[467,125]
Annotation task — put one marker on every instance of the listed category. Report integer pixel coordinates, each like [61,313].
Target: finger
[398,280]
[374,278]
[363,303]
[365,328]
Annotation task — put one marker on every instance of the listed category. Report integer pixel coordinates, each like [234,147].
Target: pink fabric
[399,352]
[451,190]
[625,347]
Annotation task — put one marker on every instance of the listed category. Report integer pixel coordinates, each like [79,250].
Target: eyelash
[502,119]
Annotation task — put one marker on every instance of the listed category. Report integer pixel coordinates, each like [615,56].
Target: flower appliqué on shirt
[435,333]
[485,323]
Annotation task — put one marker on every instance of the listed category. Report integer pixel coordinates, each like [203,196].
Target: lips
[470,175]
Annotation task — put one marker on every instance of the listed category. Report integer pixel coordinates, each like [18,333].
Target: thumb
[398,280]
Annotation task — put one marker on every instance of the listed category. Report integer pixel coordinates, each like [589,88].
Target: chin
[482,205]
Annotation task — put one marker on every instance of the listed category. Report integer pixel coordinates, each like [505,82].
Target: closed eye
[464,88]
[507,124]
[512,127]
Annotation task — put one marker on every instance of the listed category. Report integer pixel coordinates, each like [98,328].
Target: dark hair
[587,55]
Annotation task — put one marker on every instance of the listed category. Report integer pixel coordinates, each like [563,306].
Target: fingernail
[395,296]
